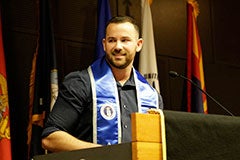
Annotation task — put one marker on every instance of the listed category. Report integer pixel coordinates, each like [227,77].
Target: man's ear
[139,45]
[103,43]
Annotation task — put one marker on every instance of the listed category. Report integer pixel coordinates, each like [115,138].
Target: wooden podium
[148,143]
[189,136]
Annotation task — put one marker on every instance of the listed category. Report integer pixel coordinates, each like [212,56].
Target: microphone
[174,74]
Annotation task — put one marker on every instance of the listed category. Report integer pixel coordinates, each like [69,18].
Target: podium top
[200,136]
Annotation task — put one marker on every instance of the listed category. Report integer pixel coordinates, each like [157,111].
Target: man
[93,107]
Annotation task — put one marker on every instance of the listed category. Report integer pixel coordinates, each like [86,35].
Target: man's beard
[111,61]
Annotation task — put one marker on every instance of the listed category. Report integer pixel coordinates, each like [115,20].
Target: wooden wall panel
[77,56]
[20,15]
[204,22]
[130,8]
[226,32]
[75,25]
[169,24]
[75,20]
[163,67]
[223,84]
[176,84]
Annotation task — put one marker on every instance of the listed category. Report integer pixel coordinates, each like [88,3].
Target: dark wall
[75,29]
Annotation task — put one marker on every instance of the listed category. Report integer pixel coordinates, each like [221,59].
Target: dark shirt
[72,111]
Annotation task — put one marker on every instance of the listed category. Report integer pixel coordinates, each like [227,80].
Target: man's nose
[118,45]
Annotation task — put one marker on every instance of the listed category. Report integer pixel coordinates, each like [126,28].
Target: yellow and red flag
[5,139]
[196,99]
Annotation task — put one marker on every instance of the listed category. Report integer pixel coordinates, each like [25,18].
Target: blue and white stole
[106,107]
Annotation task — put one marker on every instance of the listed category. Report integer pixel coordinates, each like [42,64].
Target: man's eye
[125,40]
[111,40]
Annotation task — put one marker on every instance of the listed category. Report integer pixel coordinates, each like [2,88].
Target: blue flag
[104,14]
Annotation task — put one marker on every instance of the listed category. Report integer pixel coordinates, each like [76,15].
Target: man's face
[121,44]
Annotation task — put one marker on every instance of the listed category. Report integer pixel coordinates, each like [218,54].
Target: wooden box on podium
[146,137]
[147,144]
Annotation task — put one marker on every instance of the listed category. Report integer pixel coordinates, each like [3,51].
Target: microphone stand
[175,74]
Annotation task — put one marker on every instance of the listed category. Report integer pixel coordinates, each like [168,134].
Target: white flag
[147,58]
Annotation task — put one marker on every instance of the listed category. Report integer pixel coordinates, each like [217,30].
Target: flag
[196,100]
[5,138]
[147,59]
[43,87]
[104,15]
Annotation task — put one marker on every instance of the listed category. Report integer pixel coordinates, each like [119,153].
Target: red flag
[196,100]
[5,139]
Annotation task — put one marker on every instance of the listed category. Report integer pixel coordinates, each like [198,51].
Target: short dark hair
[123,19]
